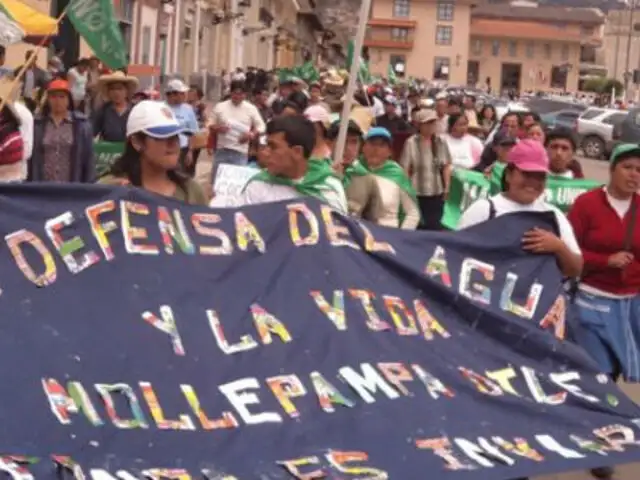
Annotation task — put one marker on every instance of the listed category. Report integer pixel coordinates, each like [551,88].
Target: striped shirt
[426,172]
[11,148]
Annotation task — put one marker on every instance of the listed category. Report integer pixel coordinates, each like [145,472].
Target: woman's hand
[620,259]
[538,240]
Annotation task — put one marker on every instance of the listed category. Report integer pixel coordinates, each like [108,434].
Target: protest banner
[229,184]
[468,186]
[144,338]
[105,154]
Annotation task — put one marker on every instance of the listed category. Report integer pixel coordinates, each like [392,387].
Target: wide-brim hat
[117,77]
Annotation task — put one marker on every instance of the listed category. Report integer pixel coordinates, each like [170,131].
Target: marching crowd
[401,149]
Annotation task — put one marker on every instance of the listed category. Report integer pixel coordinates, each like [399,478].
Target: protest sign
[105,154]
[229,183]
[144,338]
[466,187]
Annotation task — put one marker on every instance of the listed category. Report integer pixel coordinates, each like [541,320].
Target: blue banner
[143,338]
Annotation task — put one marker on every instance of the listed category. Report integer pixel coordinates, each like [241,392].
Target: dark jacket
[83,165]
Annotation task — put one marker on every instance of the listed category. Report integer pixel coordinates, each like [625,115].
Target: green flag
[391,75]
[363,71]
[105,154]
[308,72]
[95,21]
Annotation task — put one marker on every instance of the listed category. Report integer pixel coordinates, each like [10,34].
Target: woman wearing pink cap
[523,186]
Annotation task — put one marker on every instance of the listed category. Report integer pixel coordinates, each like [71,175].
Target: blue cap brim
[379,135]
[166,131]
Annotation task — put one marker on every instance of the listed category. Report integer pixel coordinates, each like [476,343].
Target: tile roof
[482,27]
[540,13]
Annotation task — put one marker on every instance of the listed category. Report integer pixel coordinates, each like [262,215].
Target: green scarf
[394,172]
[313,184]
[356,169]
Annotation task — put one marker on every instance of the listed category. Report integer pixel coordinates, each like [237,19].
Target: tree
[602,85]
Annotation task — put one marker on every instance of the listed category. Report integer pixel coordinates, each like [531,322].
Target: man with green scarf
[289,172]
[399,201]
[360,186]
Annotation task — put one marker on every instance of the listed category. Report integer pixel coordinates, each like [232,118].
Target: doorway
[511,76]
[67,38]
[473,72]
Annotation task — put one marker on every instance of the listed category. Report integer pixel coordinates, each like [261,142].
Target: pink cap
[529,156]
[318,113]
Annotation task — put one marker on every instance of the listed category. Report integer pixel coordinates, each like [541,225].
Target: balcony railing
[396,37]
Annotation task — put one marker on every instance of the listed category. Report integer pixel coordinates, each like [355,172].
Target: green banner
[468,186]
[95,21]
[105,155]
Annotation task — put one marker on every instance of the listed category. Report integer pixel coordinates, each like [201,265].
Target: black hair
[504,185]
[511,114]
[84,62]
[453,118]
[490,107]
[455,102]
[128,166]
[298,132]
[46,109]
[259,90]
[300,99]
[352,130]
[198,90]
[3,51]
[291,105]
[561,133]
[236,85]
[533,115]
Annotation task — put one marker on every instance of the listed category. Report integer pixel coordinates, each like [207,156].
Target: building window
[559,77]
[547,50]
[441,68]
[530,50]
[495,48]
[565,52]
[146,46]
[476,46]
[401,8]
[445,11]
[399,34]
[398,64]
[444,35]
[587,30]
[513,48]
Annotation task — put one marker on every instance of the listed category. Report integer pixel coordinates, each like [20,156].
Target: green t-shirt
[190,193]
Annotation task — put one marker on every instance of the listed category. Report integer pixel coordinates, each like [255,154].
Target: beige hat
[117,77]
[425,116]
[362,117]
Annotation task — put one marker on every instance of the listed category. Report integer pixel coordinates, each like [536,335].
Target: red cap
[58,85]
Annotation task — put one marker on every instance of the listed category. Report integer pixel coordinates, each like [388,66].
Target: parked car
[629,130]
[561,118]
[595,130]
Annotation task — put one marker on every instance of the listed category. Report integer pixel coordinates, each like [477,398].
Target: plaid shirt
[426,172]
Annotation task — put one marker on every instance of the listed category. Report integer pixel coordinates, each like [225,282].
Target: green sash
[356,169]
[394,172]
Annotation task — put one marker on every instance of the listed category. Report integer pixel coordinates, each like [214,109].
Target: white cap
[176,85]
[318,113]
[154,119]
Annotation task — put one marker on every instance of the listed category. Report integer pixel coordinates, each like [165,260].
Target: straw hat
[117,77]
[362,117]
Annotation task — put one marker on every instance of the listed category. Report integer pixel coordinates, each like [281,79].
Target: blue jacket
[83,165]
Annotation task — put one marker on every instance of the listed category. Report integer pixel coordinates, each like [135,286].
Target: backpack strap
[628,237]
[492,210]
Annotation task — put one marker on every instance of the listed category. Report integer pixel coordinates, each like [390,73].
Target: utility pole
[627,73]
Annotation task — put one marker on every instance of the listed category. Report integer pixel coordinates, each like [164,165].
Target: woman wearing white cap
[150,160]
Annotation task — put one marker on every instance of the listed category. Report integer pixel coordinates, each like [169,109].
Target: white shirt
[26,130]
[240,119]
[465,151]
[377,107]
[79,83]
[258,192]
[479,212]
[392,197]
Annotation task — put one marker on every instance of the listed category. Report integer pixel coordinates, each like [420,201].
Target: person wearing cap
[501,146]
[561,147]
[390,119]
[607,298]
[290,172]
[176,93]
[151,156]
[236,122]
[523,186]
[110,120]
[285,88]
[321,119]
[399,201]
[425,158]
[605,221]
[360,186]
[62,140]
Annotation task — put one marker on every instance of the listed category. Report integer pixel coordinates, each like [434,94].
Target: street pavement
[597,169]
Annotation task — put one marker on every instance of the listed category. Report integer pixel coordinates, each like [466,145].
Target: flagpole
[353,79]
[30,61]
